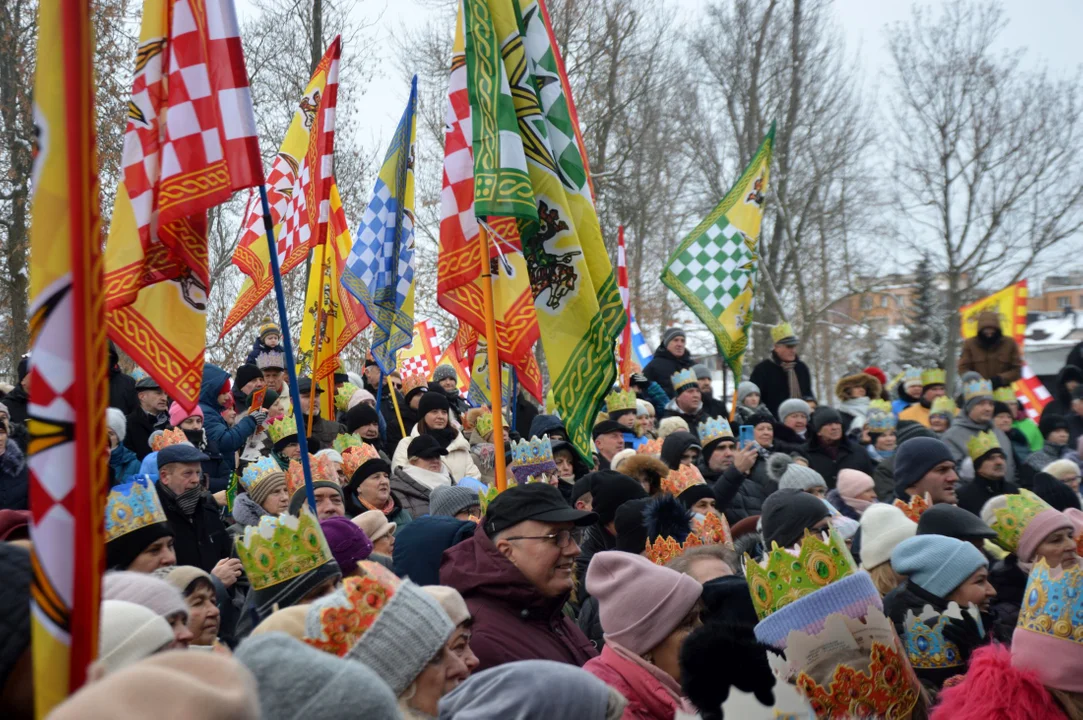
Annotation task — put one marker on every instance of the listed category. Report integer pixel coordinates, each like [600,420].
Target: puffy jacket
[324,431]
[14,478]
[124,463]
[458,460]
[200,540]
[412,493]
[883,479]
[770,378]
[963,428]
[512,620]
[420,546]
[595,539]
[998,360]
[141,426]
[742,496]
[664,365]
[849,455]
[647,696]
[228,440]
[656,396]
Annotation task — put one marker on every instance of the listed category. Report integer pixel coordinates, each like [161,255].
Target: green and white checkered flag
[713,270]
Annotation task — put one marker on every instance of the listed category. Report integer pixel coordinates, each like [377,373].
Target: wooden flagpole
[495,386]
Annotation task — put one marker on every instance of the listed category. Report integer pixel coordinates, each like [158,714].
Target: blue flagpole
[291,368]
[513,400]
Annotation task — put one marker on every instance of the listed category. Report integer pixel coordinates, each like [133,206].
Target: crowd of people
[904,551]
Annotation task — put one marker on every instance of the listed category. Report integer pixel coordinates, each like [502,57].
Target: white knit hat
[149,591]
[452,602]
[129,633]
[883,526]
[116,421]
[621,457]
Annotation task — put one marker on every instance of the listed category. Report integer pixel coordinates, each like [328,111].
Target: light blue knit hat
[935,563]
[851,596]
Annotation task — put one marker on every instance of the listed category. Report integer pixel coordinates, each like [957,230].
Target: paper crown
[322,471]
[911,376]
[881,405]
[713,529]
[943,405]
[650,447]
[714,428]
[926,645]
[664,549]
[879,421]
[281,548]
[977,389]
[172,436]
[916,507]
[679,480]
[1012,519]
[343,395]
[683,380]
[532,458]
[413,382]
[1053,603]
[1004,394]
[257,472]
[484,423]
[788,574]
[355,457]
[619,400]
[131,506]
[335,622]
[282,427]
[851,669]
[782,331]
[139,373]
[933,376]
[346,440]
[981,443]
[271,360]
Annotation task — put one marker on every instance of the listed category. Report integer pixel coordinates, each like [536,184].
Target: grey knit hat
[782,469]
[296,681]
[671,334]
[444,372]
[745,389]
[408,633]
[791,406]
[451,499]
[701,371]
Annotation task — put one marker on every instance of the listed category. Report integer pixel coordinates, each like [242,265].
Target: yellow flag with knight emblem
[713,270]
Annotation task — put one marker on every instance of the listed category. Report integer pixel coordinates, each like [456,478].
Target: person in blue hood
[420,546]
[214,396]
[550,425]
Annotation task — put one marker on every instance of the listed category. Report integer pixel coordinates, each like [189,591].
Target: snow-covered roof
[1055,331]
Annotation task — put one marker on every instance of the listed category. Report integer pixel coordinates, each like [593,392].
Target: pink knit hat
[177,414]
[852,483]
[1042,526]
[639,603]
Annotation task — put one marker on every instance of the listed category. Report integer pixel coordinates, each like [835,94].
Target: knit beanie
[745,389]
[782,469]
[609,490]
[14,606]
[269,329]
[786,514]
[451,601]
[850,484]
[268,484]
[182,576]
[360,396]
[207,686]
[177,414]
[791,407]
[639,603]
[247,373]
[360,415]
[129,632]
[289,620]
[668,426]
[620,457]
[883,526]
[409,629]
[823,416]
[444,372]
[1050,422]
[348,543]
[297,681]
[852,596]
[953,521]
[935,563]
[701,371]
[116,421]
[432,401]
[915,458]
[671,334]
[1057,493]
[451,499]
[1021,522]
[375,524]
[146,590]
[910,429]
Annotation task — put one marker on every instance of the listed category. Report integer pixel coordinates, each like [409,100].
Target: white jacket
[458,460]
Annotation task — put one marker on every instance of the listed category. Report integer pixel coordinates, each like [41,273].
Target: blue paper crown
[977,389]
[880,421]
[532,457]
[684,379]
[258,471]
[1053,603]
[925,642]
[714,429]
[131,506]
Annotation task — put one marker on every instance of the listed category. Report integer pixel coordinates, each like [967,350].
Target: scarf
[197,438]
[386,509]
[791,377]
[187,501]
[859,506]
[672,688]
[445,436]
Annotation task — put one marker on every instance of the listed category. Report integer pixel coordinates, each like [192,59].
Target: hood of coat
[476,568]
[844,385]
[247,511]
[214,378]
[544,424]
[674,445]
[1068,372]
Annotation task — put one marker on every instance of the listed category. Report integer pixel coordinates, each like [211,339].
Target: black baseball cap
[533,501]
[425,447]
[304,386]
[608,426]
[179,453]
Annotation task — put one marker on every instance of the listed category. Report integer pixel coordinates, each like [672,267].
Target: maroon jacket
[512,621]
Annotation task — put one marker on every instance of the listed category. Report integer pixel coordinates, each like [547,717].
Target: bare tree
[987,155]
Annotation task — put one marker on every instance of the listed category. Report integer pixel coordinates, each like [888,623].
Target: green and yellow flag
[713,270]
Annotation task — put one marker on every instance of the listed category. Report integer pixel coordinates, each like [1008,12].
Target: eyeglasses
[561,538]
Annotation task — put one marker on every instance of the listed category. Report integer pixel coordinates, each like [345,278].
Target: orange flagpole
[495,386]
[317,341]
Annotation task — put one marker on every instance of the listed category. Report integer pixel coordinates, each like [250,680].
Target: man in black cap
[953,521]
[923,466]
[830,450]
[150,416]
[608,441]
[323,431]
[515,575]
[199,537]
[989,481]
[609,490]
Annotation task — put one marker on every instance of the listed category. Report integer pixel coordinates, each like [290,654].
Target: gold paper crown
[131,506]
[943,405]
[926,645]
[933,376]
[1053,603]
[879,404]
[981,443]
[322,470]
[679,480]
[788,574]
[413,382]
[172,436]
[1010,520]
[715,428]
[355,457]
[343,395]
[916,507]
[346,440]
[346,614]
[666,548]
[713,529]
[282,427]
[782,331]
[651,447]
[1004,394]
[281,548]
[256,472]
[484,423]
[620,400]
[977,389]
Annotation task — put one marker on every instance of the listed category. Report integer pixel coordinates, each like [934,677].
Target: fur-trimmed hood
[646,468]
[871,385]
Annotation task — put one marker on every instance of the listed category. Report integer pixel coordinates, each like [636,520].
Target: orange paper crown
[355,457]
[346,614]
[173,436]
[713,530]
[916,507]
[679,480]
[321,467]
[413,382]
[651,447]
[665,549]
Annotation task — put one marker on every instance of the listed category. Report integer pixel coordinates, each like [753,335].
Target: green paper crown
[282,547]
[943,405]
[1012,519]
[933,376]
[1004,394]
[484,423]
[346,440]
[282,427]
[981,443]
[343,395]
[620,400]
[787,575]
[782,331]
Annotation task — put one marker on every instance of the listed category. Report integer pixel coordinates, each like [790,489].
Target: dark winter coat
[228,440]
[214,466]
[770,378]
[836,500]
[323,431]
[257,348]
[850,455]
[1010,582]
[714,407]
[664,365]
[141,425]
[412,495]
[201,540]
[741,496]
[883,480]
[16,402]
[998,360]
[122,393]
[590,622]
[124,463]
[14,478]
[1075,428]
[420,546]
[1061,404]
[595,539]
[525,412]
[974,494]
[512,620]
[787,440]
